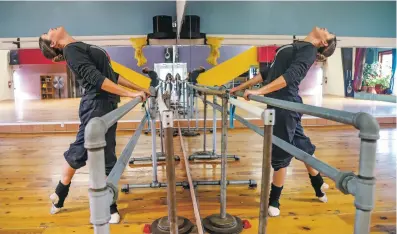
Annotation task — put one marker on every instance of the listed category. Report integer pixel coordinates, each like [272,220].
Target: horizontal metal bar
[326,113]
[218,182]
[207,90]
[112,117]
[247,107]
[324,168]
[124,158]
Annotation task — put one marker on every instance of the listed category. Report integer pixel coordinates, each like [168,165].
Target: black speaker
[191,27]
[14,57]
[162,23]
[162,28]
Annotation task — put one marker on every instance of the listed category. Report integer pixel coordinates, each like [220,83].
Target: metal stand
[160,156]
[266,169]
[209,155]
[189,132]
[223,222]
[155,157]
[171,223]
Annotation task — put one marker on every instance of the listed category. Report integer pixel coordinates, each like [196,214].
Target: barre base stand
[223,222]
[172,223]
[161,226]
[211,155]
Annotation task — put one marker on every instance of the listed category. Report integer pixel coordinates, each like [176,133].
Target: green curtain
[372,56]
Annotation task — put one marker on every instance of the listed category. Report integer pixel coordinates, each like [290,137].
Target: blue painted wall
[30,19]
[345,18]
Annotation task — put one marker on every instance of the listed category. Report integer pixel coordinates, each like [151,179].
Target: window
[386,58]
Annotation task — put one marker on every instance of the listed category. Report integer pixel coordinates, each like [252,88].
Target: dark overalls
[292,62]
[193,76]
[92,66]
[154,79]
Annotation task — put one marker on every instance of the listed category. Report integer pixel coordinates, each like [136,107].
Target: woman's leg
[303,142]
[75,158]
[283,129]
[111,159]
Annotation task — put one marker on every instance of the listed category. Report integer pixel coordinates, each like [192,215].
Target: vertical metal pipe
[366,172]
[185,99]
[98,195]
[361,225]
[196,109]
[205,123]
[161,138]
[268,117]
[223,157]
[188,106]
[214,126]
[154,154]
[167,119]
[101,229]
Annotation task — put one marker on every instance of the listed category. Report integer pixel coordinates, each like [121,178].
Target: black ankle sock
[275,194]
[113,208]
[62,192]
[317,181]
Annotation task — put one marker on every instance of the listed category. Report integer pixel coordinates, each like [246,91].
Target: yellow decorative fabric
[138,44]
[215,44]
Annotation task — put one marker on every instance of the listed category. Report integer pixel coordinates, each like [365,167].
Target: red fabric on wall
[266,53]
[33,56]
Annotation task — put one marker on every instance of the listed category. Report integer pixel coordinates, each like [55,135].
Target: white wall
[333,71]
[312,84]
[6,93]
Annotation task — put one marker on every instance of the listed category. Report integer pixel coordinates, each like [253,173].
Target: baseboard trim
[129,125]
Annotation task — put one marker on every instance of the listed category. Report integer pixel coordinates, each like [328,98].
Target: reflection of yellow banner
[131,75]
[230,69]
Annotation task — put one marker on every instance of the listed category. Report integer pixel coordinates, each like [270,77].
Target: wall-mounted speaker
[162,28]
[191,27]
[13,57]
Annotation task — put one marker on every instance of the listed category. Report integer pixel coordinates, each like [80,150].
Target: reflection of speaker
[13,57]
[191,28]
[168,55]
[162,28]
[162,23]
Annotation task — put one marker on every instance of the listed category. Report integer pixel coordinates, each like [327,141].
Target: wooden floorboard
[30,167]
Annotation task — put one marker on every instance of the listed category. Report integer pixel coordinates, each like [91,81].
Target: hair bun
[58,58]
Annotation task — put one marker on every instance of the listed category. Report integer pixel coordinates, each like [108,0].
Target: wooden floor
[30,167]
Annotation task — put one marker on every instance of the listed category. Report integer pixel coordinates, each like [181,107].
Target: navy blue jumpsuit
[91,65]
[292,61]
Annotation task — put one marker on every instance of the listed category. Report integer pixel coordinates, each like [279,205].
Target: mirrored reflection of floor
[66,110]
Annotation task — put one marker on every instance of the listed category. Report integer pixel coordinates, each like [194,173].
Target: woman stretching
[288,69]
[102,91]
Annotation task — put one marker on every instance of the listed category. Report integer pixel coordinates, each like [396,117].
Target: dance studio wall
[334,84]
[345,18]
[6,92]
[81,18]
[194,56]
[27,79]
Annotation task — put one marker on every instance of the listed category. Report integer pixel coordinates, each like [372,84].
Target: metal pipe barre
[102,194]
[362,186]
